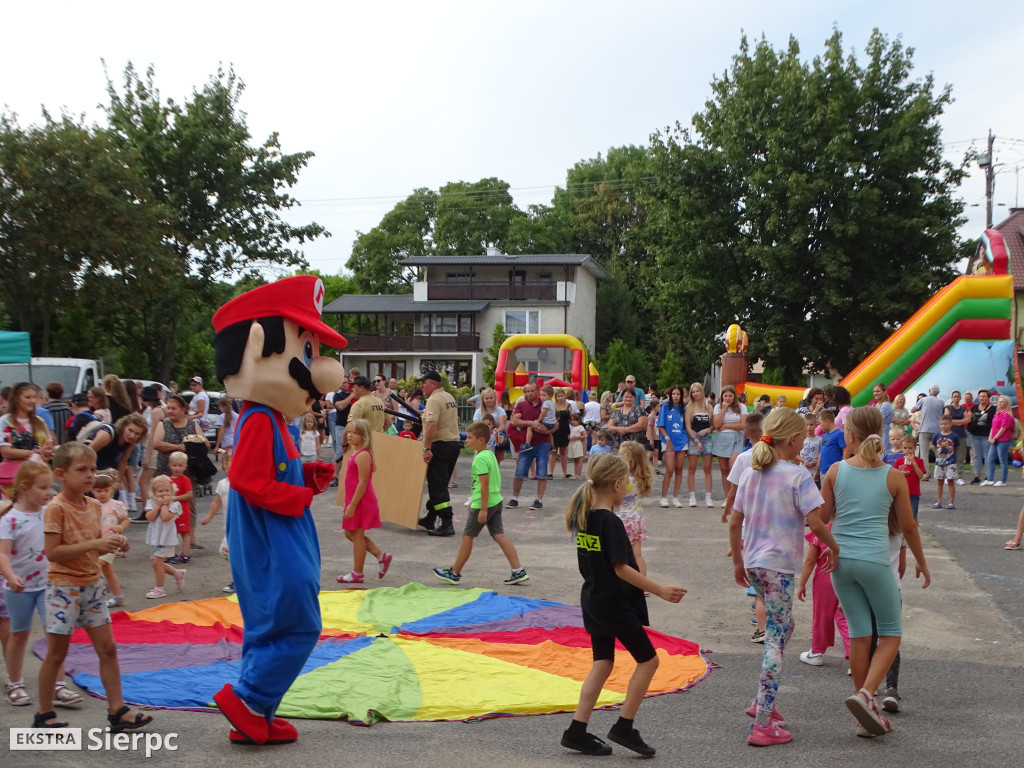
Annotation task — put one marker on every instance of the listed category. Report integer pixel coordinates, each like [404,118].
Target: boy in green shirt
[485,509]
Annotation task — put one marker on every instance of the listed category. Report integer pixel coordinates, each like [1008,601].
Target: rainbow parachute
[411,653]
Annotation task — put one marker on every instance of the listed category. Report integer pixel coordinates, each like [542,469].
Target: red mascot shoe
[278,732]
[253,727]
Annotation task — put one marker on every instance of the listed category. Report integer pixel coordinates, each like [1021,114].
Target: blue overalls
[275,564]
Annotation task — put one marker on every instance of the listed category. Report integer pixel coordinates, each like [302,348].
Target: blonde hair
[108,478]
[896,435]
[639,466]
[310,418]
[71,452]
[605,470]
[781,425]
[26,476]
[115,390]
[159,480]
[700,403]
[362,428]
[866,422]
[177,456]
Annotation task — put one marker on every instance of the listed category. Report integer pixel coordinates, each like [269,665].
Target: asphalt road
[962,676]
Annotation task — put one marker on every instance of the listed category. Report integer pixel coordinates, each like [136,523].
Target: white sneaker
[707,500]
[664,501]
[724,503]
[693,499]
[998,484]
[987,482]
[676,502]
[959,481]
[814,659]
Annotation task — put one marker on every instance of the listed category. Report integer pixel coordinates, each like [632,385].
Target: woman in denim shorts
[698,426]
[727,420]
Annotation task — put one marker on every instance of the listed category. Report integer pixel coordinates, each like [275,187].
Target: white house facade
[448,320]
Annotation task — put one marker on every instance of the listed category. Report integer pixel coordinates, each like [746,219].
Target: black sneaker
[512,504]
[758,636]
[632,741]
[975,481]
[537,504]
[448,575]
[444,530]
[588,745]
[518,577]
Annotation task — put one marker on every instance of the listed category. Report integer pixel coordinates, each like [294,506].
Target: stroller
[200,469]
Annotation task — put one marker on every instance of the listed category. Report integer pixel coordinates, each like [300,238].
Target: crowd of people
[850,475]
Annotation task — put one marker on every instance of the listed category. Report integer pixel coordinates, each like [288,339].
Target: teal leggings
[864,589]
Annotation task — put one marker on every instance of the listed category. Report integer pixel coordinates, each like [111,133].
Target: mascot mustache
[301,374]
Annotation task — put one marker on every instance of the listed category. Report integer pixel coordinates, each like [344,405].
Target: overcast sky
[398,95]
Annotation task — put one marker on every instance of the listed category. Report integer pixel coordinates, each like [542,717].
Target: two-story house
[449,319]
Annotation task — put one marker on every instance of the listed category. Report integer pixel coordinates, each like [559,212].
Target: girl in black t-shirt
[613,604]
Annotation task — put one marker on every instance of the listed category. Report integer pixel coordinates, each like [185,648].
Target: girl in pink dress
[361,510]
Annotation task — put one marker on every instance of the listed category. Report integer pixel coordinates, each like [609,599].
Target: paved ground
[962,677]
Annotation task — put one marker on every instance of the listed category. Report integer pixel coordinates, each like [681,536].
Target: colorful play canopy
[412,653]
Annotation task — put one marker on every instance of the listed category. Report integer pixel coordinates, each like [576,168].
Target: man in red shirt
[525,415]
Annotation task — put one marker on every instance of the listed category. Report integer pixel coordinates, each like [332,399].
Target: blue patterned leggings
[776,589]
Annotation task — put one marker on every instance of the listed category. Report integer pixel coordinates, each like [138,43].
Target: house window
[389,369]
[545,277]
[459,277]
[445,324]
[522,321]
[465,323]
[458,371]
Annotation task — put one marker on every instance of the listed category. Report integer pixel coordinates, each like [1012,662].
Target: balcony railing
[416,342]
[492,292]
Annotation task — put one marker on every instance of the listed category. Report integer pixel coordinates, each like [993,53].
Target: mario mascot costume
[266,352]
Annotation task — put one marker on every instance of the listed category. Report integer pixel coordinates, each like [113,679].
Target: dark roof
[1012,230]
[527,260]
[369,304]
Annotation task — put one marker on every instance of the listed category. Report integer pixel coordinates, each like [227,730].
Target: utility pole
[987,161]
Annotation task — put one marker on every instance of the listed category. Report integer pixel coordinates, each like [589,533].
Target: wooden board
[399,474]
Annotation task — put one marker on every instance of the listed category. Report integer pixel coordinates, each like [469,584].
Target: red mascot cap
[299,299]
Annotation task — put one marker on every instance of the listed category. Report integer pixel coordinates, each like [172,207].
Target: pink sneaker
[776,718]
[765,736]
[156,592]
[351,578]
[384,562]
[179,578]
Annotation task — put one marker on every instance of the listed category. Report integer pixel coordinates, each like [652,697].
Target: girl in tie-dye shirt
[775,497]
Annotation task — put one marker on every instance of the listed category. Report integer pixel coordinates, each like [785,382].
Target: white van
[75,374]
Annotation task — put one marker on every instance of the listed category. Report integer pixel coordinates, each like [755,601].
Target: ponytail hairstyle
[639,466]
[866,423]
[780,426]
[26,477]
[605,470]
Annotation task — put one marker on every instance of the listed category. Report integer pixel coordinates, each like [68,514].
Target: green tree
[815,208]
[72,206]
[620,360]
[473,216]
[490,363]
[404,232]
[224,196]
[670,372]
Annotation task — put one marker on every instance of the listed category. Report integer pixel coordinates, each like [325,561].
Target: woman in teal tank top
[858,493]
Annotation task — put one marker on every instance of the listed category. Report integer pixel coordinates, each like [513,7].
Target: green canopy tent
[15,347]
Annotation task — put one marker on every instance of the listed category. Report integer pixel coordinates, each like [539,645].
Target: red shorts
[183,523]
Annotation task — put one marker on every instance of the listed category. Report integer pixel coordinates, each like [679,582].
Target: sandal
[39,721]
[117,725]
[65,697]
[351,578]
[864,707]
[1013,546]
[17,696]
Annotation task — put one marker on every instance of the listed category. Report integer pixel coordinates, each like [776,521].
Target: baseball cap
[196,380]
[431,376]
